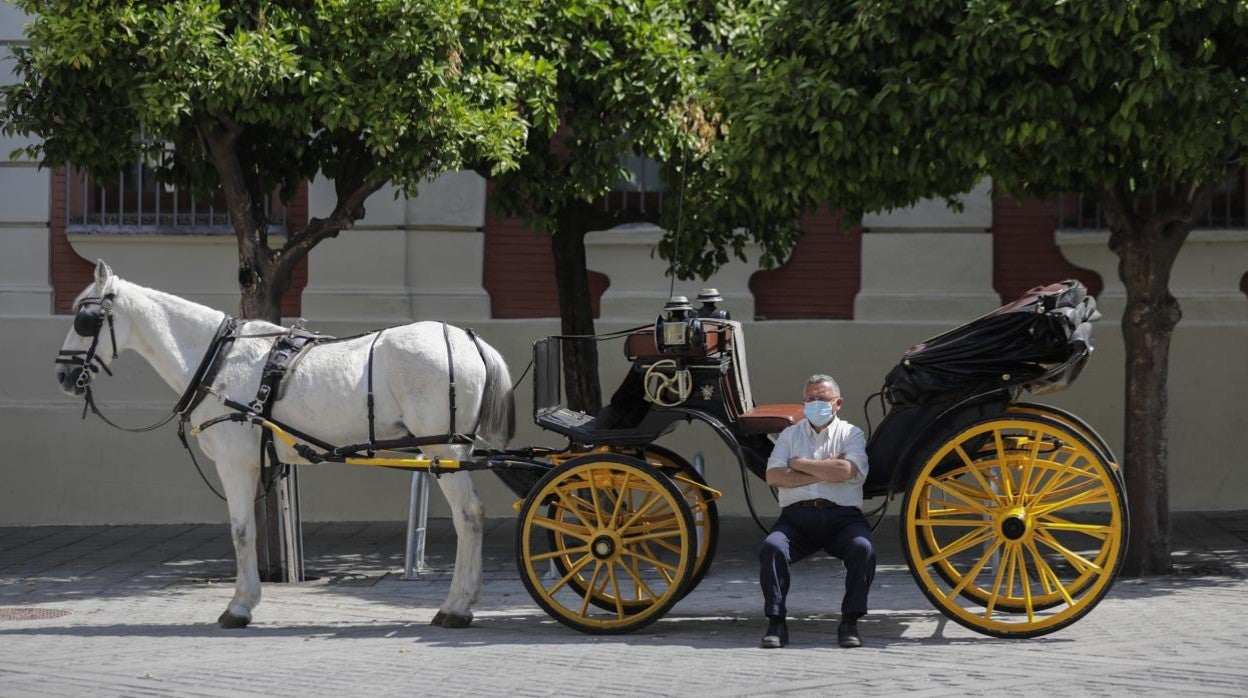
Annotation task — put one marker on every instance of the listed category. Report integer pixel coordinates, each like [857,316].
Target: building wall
[424,260]
[846,302]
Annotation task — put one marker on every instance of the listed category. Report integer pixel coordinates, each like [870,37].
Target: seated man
[818,467]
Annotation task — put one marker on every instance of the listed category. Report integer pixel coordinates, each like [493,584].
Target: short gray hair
[824,378]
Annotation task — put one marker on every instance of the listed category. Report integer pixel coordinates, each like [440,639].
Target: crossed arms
[806,471]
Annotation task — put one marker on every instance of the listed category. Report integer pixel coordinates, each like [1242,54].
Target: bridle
[89,317]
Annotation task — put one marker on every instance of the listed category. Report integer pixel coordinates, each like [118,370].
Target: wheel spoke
[1026,580]
[1061,475]
[559,553]
[638,583]
[973,468]
[1006,559]
[977,523]
[593,495]
[951,509]
[974,571]
[969,540]
[561,527]
[946,487]
[664,568]
[615,586]
[619,498]
[1074,490]
[1004,470]
[650,501]
[1075,559]
[1047,574]
[669,578]
[589,588]
[568,505]
[1053,523]
[654,536]
[572,572]
[1093,496]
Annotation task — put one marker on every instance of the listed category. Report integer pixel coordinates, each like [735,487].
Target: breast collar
[196,390]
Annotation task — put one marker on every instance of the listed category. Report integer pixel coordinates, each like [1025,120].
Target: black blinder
[88,321]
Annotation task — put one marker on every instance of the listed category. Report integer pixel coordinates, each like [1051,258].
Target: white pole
[417,526]
[291,525]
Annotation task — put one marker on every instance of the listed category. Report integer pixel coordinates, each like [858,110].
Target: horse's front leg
[239,479]
[468,516]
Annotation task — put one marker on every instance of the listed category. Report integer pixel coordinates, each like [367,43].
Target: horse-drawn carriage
[1013,519]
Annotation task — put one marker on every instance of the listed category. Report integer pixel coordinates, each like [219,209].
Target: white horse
[323,396]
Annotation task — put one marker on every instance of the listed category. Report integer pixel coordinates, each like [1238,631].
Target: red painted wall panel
[1024,252]
[821,277]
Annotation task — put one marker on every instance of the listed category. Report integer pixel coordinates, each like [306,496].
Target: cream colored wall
[925,269]
[24,190]
[408,262]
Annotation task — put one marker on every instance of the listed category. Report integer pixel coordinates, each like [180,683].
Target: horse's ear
[102,272]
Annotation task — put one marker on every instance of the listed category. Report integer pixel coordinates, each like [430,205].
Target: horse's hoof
[229,621]
[452,620]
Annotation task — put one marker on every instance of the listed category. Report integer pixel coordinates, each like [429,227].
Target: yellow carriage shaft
[396,460]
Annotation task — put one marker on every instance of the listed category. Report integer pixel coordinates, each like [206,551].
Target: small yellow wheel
[621,538]
[1016,526]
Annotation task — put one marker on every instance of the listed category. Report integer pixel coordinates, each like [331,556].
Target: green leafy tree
[248,98]
[251,97]
[872,105]
[623,74]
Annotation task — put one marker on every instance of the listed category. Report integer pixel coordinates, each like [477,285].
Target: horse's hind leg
[239,480]
[468,516]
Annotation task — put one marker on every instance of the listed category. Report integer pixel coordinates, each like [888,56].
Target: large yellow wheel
[1016,526]
[622,539]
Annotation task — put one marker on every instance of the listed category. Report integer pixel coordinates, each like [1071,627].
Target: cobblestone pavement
[135,607]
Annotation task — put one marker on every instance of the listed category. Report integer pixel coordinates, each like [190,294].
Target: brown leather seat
[771,419]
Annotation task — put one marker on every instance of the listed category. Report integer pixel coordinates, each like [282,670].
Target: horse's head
[93,340]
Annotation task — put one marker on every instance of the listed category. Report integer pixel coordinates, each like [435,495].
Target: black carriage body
[717,397]
[995,490]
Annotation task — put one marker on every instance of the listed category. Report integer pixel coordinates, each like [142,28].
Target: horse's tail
[497,422]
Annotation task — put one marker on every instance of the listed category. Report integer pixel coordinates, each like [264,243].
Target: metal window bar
[94,206]
[1228,208]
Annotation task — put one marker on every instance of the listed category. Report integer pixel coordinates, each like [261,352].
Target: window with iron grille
[135,202]
[1228,208]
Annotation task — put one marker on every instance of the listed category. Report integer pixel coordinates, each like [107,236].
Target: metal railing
[1228,208]
[134,202]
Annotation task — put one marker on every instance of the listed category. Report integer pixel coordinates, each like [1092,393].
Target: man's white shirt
[802,441]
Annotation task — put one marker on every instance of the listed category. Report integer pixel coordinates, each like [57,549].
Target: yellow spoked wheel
[1015,527]
[698,495]
[621,538]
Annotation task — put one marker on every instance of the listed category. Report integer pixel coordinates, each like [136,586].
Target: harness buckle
[262,396]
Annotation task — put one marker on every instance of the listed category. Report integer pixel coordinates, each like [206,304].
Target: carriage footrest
[580,428]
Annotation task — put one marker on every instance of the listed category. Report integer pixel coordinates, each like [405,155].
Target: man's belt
[819,503]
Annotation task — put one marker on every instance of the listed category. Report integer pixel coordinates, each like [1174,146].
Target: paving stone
[142,602]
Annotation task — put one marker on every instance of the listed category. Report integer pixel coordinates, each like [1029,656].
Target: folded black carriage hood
[1039,343]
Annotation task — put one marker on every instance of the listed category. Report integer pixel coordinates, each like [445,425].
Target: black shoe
[777,634]
[847,634]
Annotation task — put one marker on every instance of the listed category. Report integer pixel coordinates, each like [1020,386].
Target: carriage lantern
[678,329]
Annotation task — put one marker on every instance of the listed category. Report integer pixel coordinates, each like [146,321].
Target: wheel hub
[1015,524]
[603,547]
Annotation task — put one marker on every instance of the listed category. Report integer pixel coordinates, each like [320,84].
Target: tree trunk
[580,358]
[1146,248]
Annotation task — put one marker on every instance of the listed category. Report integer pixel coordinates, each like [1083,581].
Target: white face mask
[819,412]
